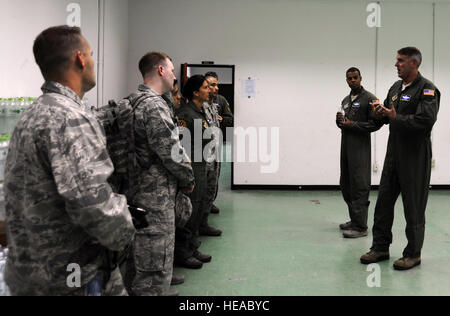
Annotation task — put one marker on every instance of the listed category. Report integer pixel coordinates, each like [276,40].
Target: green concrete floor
[282,244]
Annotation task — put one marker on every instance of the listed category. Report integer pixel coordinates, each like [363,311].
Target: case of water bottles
[10,111]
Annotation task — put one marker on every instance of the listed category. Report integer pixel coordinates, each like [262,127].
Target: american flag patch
[376,102]
[429,92]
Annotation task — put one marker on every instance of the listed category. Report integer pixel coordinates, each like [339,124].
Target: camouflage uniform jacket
[59,208]
[157,138]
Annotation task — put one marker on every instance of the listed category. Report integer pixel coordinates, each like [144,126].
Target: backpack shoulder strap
[136,101]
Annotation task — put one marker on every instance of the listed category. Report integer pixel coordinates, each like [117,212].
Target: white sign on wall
[249,88]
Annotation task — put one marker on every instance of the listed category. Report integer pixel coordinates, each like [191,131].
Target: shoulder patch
[429,92]
[182,124]
[375,102]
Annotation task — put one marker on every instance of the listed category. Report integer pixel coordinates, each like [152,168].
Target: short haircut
[212,74]
[151,61]
[192,85]
[353,69]
[411,52]
[54,48]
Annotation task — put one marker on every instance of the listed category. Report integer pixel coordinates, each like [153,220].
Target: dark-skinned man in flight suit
[411,110]
[358,124]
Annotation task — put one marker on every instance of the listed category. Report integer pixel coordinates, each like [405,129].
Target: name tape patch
[406,98]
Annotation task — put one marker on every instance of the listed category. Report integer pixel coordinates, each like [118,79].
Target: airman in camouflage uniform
[212,170]
[60,209]
[160,178]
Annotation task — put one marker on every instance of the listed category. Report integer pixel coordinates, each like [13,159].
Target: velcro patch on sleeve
[376,102]
[429,92]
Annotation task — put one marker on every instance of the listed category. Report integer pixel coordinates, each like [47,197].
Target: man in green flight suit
[411,110]
[357,125]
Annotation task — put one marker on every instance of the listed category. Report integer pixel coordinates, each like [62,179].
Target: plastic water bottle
[2,106]
[3,112]
[11,107]
[30,102]
[21,106]
[4,143]
[342,111]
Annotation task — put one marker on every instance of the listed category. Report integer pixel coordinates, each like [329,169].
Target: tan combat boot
[374,257]
[407,263]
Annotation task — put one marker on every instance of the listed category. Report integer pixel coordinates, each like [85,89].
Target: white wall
[23,20]
[393,35]
[20,23]
[441,135]
[116,50]
[298,51]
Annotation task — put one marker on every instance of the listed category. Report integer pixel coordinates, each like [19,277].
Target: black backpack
[117,120]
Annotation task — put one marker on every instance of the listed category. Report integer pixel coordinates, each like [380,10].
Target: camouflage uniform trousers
[115,286]
[187,238]
[212,189]
[149,268]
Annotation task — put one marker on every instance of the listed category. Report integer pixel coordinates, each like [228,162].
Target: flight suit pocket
[150,252]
